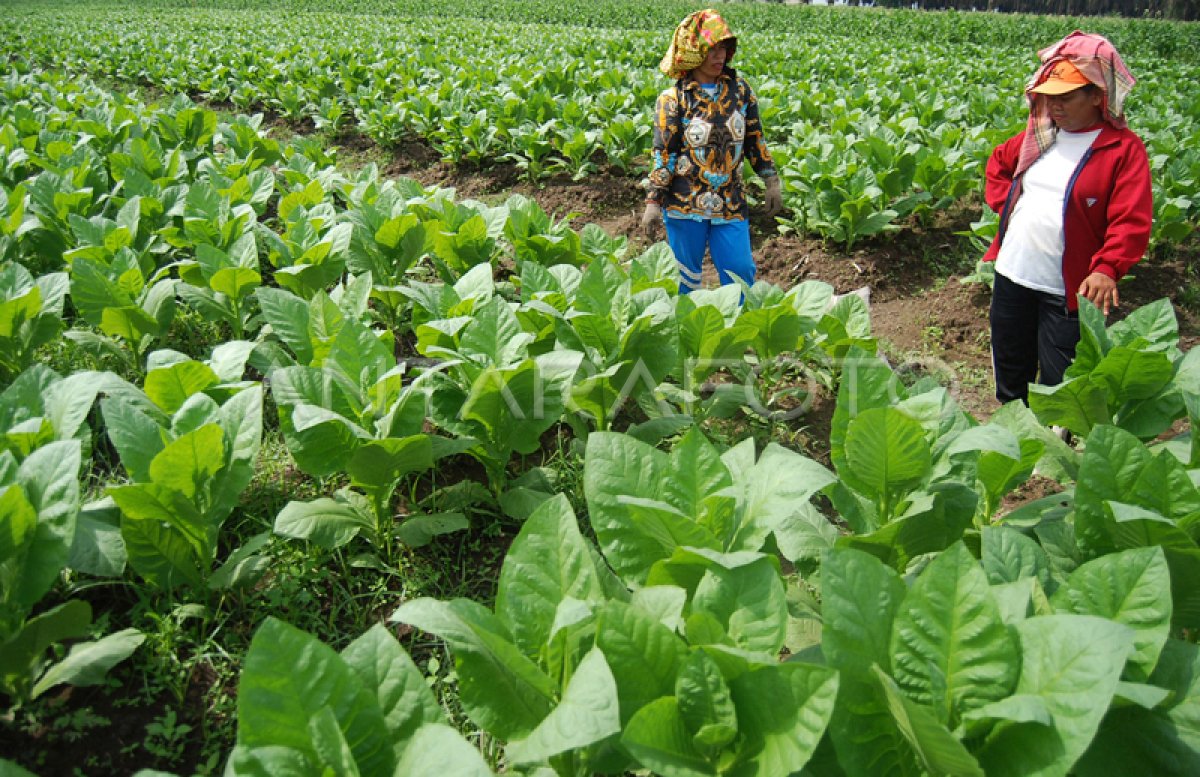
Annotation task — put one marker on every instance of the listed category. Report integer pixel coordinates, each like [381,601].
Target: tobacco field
[350,426]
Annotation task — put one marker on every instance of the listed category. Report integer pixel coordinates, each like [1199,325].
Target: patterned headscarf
[1100,63]
[693,39]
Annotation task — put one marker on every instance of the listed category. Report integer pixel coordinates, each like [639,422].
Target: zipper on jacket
[1006,211]
[1067,201]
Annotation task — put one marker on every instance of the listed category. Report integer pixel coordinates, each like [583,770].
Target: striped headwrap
[1100,63]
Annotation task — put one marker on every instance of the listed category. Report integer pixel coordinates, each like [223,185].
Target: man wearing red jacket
[1073,193]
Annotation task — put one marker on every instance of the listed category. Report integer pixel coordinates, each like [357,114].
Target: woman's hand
[773,197]
[1100,290]
[652,221]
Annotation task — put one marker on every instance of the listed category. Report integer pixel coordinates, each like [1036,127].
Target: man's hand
[652,221]
[1100,290]
[773,198]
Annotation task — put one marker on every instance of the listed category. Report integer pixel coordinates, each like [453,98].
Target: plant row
[858,156]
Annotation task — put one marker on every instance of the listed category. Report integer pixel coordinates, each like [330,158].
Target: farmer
[1073,194]
[703,125]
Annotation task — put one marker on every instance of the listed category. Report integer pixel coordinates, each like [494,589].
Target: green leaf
[700,473]
[1074,663]
[665,528]
[495,333]
[189,463]
[379,464]
[98,548]
[1133,588]
[386,670]
[137,437]
[1164,741]
[886,452]
[783,711]
[288,677]
[1018,708]
[16,536]
[324,521]
[1129,374]
[645,655]
[1155,322]
[938,750]
[749,603]
[10,769]
[586,714]
[417,531]
[87,663]
[1077,404]
[501,690]
[772,492]
[777,330]
[50,479]
[21,652]
[166,537]
[705,703]
[548,562]
[1008,556]
[169,387]
[333,753]
[1146,696]
[439,749]
[235,282]
[658,738]
[615,465]
[288,317]
[806,536]
[1178,670]
[244,567]
[932,522]
[860,597]
[867,382]
[1112,462]
[513,406]
[951,651]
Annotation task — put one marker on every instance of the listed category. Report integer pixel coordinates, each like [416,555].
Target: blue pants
[728,243]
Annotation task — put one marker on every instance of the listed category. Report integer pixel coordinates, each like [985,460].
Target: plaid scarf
[693,39]
[1100,63]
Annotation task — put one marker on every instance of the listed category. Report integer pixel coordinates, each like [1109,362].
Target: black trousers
[1033,338]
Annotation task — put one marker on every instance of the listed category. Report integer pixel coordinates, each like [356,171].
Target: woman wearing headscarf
[1073,194]
[703,127]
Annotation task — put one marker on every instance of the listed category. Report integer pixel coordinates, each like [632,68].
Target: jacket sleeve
[668,139]
[1130,214]
[1000,169]
[756,145]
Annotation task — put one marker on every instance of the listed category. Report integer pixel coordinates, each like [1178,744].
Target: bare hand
[652,221]
[773,197]
[1100,290]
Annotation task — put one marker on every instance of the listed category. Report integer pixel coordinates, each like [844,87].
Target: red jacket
[1107,209]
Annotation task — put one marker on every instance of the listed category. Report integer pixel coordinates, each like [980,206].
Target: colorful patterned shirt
[699,143]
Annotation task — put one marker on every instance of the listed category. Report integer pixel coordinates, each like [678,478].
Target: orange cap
[1063,77]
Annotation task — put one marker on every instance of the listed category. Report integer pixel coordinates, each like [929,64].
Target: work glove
[652,221]
[773,198]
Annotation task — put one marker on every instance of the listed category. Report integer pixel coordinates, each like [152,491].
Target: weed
[166,738]
[932,337]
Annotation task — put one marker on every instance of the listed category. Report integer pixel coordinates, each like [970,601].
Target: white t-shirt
[1031,253]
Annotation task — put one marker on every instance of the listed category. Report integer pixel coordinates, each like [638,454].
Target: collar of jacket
[1109,136]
